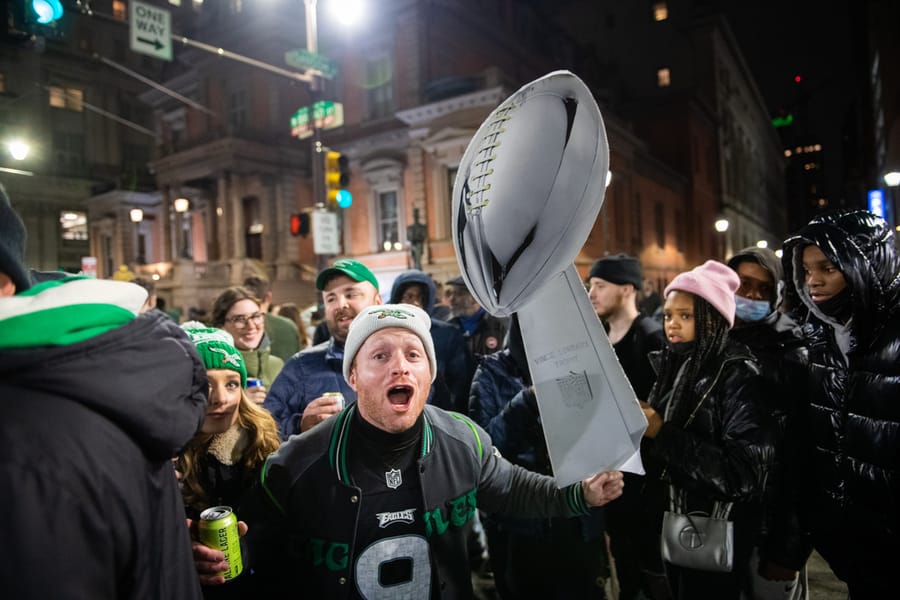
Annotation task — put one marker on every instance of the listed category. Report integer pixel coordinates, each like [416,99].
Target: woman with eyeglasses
[237,311]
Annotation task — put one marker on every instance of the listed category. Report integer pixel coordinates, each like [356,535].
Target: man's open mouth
[400,395]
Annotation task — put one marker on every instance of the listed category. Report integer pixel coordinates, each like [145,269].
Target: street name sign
[150,30]
[325,115]
[304,59]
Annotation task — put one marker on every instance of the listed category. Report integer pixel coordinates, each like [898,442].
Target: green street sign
[304,59]
[325,115]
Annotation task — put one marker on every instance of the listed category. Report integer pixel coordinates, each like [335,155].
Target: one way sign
[151,31]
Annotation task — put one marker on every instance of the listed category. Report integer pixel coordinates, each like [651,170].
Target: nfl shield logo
[393,478]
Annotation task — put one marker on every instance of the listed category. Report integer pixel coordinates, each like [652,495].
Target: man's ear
[378,299]
[352,378]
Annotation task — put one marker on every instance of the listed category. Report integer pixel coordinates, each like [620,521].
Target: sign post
[150,29]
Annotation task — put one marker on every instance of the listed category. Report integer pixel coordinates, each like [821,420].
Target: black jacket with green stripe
[305,534]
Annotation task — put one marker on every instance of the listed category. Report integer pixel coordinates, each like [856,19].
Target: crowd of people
[366,465]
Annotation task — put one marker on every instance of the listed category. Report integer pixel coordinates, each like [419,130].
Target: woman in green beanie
[222,462]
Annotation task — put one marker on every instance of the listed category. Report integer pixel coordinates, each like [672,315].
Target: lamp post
[417,233]
[137,216]
[182,205]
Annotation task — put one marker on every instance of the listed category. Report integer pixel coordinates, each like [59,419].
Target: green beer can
[218,529]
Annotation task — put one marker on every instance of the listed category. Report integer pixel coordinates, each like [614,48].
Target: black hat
[457,281]
[12,245]
[619,269]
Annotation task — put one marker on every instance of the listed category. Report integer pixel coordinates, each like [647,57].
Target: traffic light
[337,177]
[43,12]
[300,224]
[42,18]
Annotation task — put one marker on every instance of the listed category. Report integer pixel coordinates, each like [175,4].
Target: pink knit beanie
[712,281]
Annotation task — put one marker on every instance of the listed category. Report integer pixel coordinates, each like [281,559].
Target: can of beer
[219,530]
[253,382]
[337,396]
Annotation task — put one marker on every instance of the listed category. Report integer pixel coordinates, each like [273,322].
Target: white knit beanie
[382,316]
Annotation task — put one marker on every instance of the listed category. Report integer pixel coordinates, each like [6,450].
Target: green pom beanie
[216,349]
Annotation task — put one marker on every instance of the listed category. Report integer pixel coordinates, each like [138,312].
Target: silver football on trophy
[528,190]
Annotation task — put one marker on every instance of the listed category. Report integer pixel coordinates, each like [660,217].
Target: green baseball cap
[353,269]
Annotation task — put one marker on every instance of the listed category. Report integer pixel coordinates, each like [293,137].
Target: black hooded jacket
[778,344]
[455,365]
[90,506]
[853,416]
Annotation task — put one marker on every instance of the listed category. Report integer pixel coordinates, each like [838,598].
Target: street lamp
[18,149]
[182,205]
[137,215]
[721,225]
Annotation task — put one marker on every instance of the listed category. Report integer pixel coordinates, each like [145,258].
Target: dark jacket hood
[861,245]
[145,376]
[414,276]
[769,261]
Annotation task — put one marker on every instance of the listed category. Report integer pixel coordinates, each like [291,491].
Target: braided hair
[710,337]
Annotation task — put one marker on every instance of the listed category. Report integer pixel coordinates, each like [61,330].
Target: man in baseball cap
[296,399]
[385,494]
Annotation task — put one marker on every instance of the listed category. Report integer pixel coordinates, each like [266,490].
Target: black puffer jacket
[90,506]
[724,453]
[854,403]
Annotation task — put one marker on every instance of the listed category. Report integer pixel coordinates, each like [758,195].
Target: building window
[660,218]
[68,151]
[73,224]
[237,109]
[660,11]
[679,231]
[663,77]
[379,87]
[70,98]
[2,83]
[388,221]
[637,222]
[119,9]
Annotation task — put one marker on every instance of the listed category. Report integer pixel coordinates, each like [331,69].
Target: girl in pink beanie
[708,444]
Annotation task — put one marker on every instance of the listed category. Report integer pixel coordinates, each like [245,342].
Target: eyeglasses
[242,320]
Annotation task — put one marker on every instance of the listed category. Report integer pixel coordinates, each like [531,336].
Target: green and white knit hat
[382,316]
[216,349]
[67,311]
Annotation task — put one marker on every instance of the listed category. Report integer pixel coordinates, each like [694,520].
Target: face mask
[751,311]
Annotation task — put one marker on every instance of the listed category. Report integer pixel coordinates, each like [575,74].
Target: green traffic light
[344,199]
[47,11]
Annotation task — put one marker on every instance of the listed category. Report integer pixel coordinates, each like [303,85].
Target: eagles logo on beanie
[216,349]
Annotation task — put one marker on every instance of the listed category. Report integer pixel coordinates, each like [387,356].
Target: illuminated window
[119,9]
[70,98]
[663,77]
[73,224]
[660,11]
[57,97]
